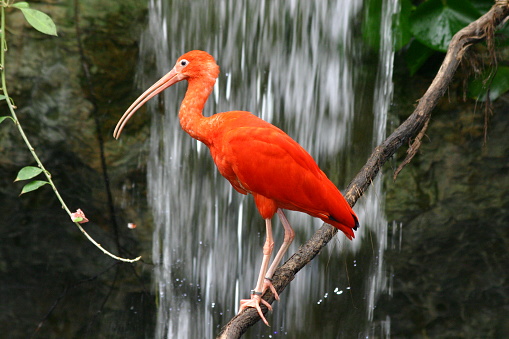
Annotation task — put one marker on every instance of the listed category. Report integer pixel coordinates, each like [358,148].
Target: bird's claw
[267,284]
[254,302]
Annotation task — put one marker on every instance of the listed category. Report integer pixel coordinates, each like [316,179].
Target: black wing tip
[356,222]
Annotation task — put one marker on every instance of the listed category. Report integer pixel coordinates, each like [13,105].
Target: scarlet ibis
[256,158]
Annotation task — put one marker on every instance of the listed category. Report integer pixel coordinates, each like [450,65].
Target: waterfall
[378,282]
[295,64]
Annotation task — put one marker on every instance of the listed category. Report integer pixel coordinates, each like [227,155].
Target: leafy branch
[44,24]
[425,30]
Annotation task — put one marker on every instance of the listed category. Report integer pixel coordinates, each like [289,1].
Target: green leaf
[21,4]
[2,97]
[39,20]
[497,83]
[28,172]
[32,186]
[5,117]
[482,6]
[436,21]
[416,55]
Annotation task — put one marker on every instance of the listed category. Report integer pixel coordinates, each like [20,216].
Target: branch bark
[415,125]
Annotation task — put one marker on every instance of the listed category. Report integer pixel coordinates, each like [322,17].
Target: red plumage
[256,158]
[259,158]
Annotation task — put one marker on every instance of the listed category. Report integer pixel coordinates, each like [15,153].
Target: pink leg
[256,294]
[289,236]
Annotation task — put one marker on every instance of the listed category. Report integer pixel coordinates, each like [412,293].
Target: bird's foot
[256,299]
[267,284]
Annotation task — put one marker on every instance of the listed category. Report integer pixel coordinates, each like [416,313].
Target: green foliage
[372,25]
[28,172]
[5,117]
[43,23]
[37,19]
[497,83]
[434,22]
[416,55]
[21,5]
[424,30]
[33,185]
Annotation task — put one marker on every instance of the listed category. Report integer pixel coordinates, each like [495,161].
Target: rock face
[450,276]
[52,280]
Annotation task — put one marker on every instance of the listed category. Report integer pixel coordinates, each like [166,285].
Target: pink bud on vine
[79,216]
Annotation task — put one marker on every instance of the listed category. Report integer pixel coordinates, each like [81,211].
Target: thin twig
[412,149]
[11,106]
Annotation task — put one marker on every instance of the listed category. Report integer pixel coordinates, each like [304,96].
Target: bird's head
[197,64]
[191,66]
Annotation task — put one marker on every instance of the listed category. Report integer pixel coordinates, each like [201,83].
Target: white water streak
[300,71]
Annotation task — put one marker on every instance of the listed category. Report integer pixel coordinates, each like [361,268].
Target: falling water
[374,202]
[300,66]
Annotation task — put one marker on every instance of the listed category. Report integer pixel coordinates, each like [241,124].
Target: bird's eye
[183,63]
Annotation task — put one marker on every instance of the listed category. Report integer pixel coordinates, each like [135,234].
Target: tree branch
[415,124]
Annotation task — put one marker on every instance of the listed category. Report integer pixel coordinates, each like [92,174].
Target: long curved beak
[166,81]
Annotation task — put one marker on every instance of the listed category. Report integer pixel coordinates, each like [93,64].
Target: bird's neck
[191,111]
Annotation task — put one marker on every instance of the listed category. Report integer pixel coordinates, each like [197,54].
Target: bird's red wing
[266,161]
[259,158]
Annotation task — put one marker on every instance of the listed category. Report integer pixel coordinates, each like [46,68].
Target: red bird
[255,157]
